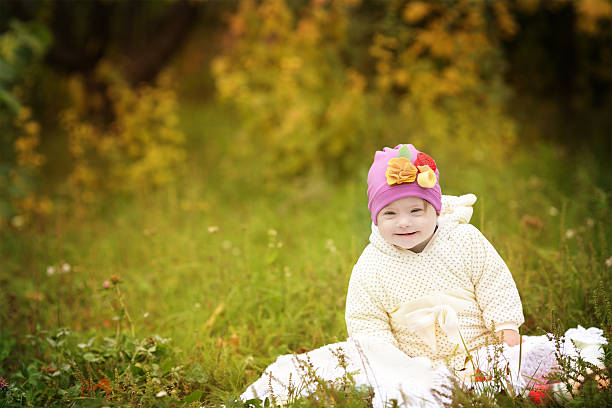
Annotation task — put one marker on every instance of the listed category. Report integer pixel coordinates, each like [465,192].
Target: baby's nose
[405,220]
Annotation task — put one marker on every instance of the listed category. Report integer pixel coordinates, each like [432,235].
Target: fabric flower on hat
[400,170]
[427,177]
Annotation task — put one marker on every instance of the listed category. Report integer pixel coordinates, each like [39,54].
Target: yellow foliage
[591,13]
[284,73]
[27,140]
[139,150]
[446,66]
[505,21]
[416,11]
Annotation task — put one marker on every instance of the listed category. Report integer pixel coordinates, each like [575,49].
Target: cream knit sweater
[458,259]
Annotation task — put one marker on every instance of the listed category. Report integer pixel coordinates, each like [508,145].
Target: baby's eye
[389,212]
[416,210]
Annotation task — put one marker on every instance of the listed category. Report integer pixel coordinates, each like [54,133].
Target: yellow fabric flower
[400,170]
[427,177]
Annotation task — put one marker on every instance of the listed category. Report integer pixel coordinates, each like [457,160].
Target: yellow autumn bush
[22,47]
[141,148]
[436,80]
[303,108]
[442,65]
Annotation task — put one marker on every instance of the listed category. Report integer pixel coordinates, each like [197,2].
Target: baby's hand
[510,337]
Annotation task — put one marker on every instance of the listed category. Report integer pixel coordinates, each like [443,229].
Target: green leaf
[9,100]
[196,374]
[194,396]
[91,357]
[253,403]
[7,72]
[404,151]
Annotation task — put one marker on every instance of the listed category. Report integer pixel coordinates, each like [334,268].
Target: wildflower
[553,212]
[147,232]
[197,305]
[103,385]
[532,222]
[331,247]
[534,181]
[161,394]
[106,284]
[48,369]
[18,221]
[145,315]
[272,232]
[35,296]
[3,382]
[234,340]
[480,377]
[50,270]
[538,394]
[66,268]
[213,228]
[569,234]
[609,262]
[114,279]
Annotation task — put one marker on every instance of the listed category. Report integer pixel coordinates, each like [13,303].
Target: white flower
[213,228]
[552,211]
[51,270]
[66,268]
[272,232]
[145,315]
[161,394]
[197,305]
[569,234]
[609,262]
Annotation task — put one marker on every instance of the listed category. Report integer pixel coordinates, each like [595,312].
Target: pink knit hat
[402,172]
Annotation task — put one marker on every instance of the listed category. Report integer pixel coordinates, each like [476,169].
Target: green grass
[236,274]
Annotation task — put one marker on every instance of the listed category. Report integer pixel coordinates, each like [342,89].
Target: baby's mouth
[407,234]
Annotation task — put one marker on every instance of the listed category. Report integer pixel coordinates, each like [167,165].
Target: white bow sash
[421,315]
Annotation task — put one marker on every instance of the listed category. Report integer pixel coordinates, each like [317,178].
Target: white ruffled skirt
[412,381]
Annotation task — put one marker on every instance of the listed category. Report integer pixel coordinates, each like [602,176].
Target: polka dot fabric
[458,256]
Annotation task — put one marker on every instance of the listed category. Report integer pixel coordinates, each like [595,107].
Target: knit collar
[379,242]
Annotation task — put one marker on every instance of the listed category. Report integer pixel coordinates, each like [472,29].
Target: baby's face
[408,223]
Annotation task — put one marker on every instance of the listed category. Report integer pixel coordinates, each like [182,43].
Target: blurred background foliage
[213,154]
[90,90]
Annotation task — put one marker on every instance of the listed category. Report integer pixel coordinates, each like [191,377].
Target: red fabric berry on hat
[423,159]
